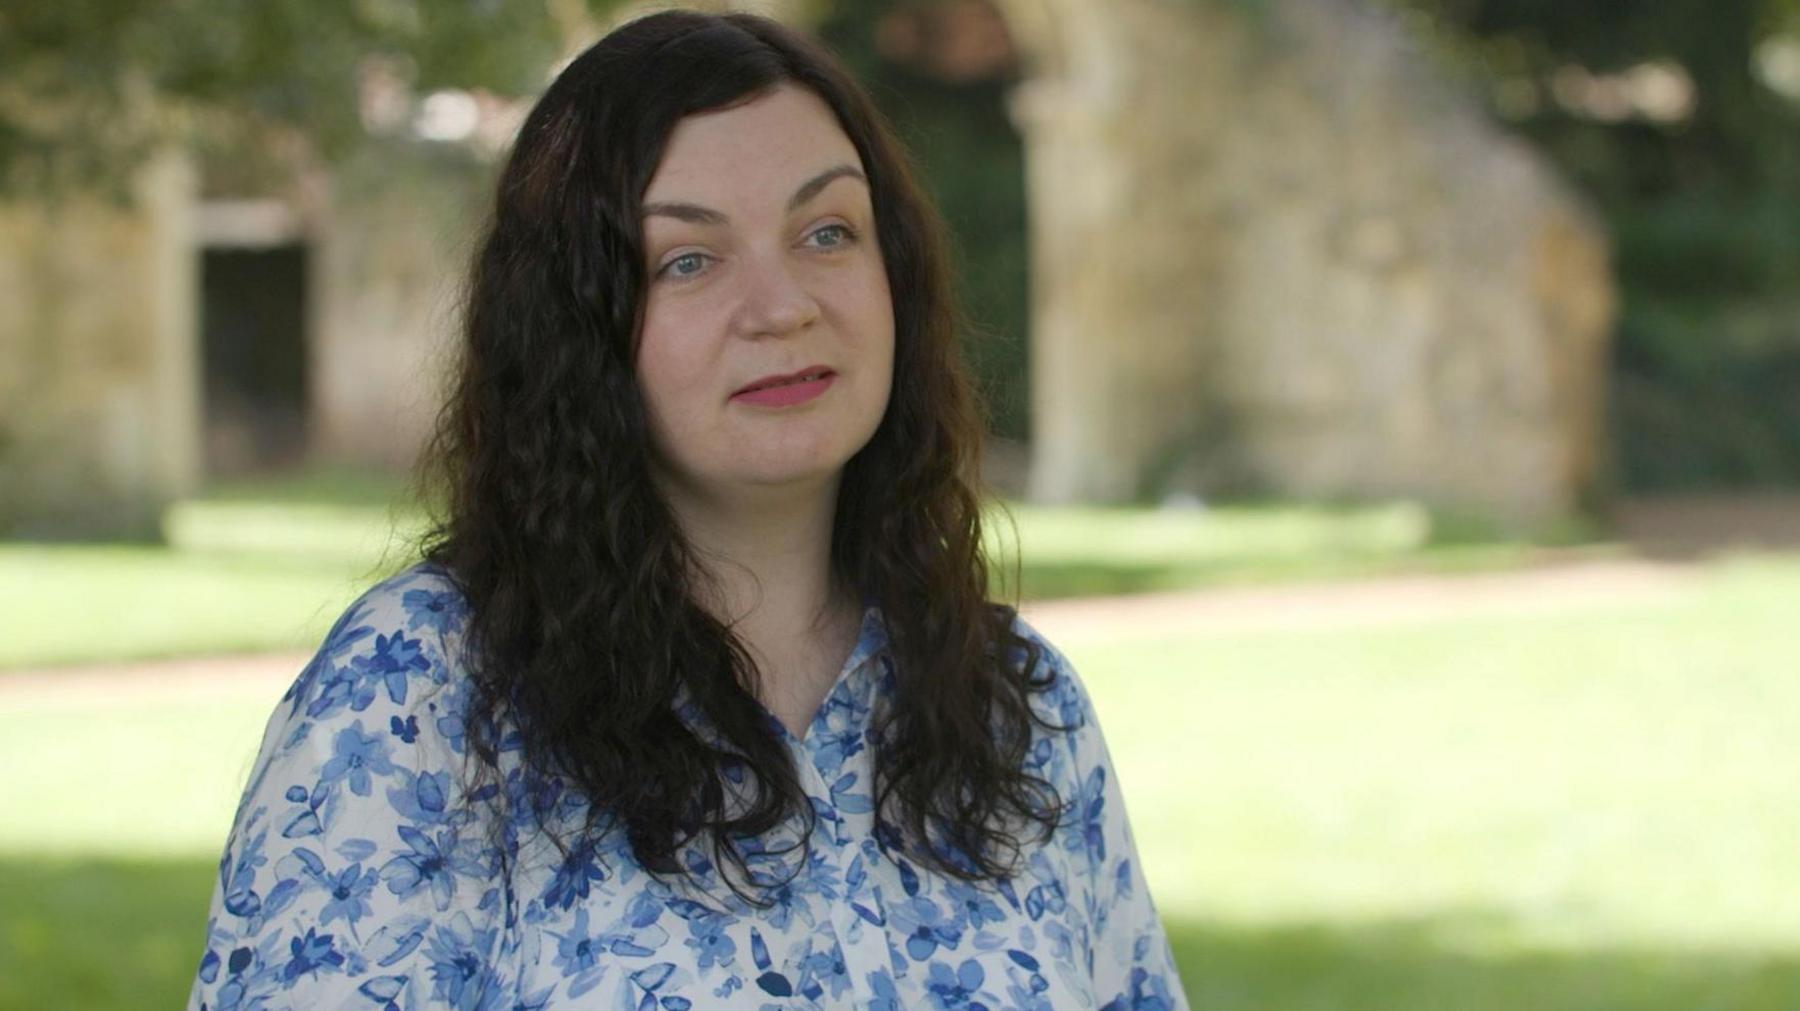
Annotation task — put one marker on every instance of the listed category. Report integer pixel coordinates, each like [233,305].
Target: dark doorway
[253,340]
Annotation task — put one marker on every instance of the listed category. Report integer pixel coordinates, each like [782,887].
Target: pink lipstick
[787,390]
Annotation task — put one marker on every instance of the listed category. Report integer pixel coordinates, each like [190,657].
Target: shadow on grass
[118,934]
[1049,580]
[1413,965]
[100,934]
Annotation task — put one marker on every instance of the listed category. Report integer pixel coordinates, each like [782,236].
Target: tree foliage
[1704,208]
[89,87]
[972,160]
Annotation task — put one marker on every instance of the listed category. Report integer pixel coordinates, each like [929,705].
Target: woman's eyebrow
[696,214]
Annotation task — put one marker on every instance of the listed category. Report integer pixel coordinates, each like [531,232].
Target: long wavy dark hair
[584,628]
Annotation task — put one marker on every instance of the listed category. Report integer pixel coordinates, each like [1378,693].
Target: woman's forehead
[752,152]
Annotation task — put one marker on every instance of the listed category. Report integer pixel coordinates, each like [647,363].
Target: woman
[696,700]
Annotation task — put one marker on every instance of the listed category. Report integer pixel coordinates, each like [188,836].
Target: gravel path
[1289,607]
[1383,600]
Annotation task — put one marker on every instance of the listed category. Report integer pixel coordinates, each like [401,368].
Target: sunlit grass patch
[267,565]
[1068,551]
[128,777]
[1609,774]
[246,568]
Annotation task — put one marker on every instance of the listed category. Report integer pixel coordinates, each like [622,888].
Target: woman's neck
[769,555]
[768,576]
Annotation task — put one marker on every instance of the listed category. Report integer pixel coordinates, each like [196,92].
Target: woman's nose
[775,299]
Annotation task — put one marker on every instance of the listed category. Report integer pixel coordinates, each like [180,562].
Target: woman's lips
[788,393]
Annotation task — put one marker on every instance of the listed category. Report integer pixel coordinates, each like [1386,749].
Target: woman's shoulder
[351,838]
[376,717]
[392,652]
[421,598]
[1058,690]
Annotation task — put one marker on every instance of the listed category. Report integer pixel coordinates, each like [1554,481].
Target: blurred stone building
[1272,252]
[209,330]
[1275,252]
[99,397]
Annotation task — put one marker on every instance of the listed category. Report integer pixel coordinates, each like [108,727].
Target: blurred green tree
[1681,120]
[89,87]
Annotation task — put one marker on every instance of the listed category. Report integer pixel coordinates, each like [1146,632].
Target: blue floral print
[357,875]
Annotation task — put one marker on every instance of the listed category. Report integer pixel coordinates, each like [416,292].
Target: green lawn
[266,566]
[269,565]
[1585,808]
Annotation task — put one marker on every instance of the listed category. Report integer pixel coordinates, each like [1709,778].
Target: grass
[99,934]
[1573,809]
[1610,768]
[248,567]
[1090,551]
[267,565]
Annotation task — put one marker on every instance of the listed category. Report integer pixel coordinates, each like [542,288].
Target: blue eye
[836,236]
[673,269]
[847,238]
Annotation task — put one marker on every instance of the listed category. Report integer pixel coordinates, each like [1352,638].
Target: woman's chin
[796,475]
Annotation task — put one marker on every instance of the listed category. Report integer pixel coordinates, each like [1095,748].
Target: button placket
[862,943]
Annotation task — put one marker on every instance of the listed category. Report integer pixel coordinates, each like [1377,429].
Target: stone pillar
[1120,123]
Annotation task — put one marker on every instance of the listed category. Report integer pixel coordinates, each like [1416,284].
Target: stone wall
[100,371]
[392,246]
[1275,252]
[99,407]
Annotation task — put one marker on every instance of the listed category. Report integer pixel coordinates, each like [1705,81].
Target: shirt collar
[871,640]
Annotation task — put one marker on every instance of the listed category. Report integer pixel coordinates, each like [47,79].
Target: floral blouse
[349,881]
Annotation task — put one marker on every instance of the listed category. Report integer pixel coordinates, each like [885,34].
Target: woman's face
[767,346]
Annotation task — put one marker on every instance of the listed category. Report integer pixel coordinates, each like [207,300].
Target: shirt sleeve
[1132,964]
[349,878]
